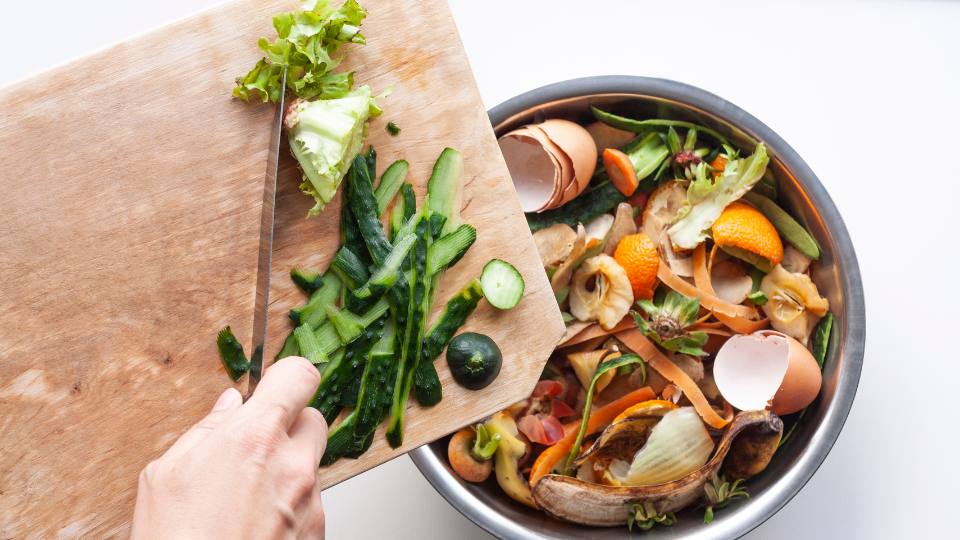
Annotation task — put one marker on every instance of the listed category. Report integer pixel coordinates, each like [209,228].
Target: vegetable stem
[588,404]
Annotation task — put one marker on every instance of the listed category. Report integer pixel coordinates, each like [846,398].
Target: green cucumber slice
[502,284]
[390,184]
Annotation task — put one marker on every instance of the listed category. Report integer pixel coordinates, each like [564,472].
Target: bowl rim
[782,490]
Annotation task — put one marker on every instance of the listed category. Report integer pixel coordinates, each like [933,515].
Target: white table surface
[867,93]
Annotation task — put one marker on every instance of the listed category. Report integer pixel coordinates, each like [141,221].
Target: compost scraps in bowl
[692,324]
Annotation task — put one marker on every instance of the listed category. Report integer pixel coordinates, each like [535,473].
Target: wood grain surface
[128,232]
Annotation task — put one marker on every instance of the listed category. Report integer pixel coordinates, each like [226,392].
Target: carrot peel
[638,343]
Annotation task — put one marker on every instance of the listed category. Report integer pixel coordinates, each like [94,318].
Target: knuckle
[149,473]
[261,438]
[315,417]
[300,476]
[163,475]
[211,421]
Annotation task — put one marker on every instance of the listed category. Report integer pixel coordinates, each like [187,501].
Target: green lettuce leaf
[307,43]
[325,135]
[707,198]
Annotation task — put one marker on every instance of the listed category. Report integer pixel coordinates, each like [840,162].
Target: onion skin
[678,445]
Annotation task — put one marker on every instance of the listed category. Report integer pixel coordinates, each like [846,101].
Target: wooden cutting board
[128,231]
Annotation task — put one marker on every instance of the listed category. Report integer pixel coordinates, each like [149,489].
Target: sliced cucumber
[290,347]
[231,354]
[363,204]
[349,325]
[390,184]
[502,284]
[446,189]
[307,280]
[446,251]
[309,345]
[349,267]
[314,311]
[386,275]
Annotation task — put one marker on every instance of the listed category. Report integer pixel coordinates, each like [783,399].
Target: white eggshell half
[566,164]
[748,369]
[534,171]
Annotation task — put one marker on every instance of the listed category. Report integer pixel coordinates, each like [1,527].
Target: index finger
[288,385]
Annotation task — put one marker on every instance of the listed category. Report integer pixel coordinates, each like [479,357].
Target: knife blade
[265,253]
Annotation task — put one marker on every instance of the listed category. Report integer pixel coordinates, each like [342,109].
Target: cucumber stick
[349,267]
[289,348]
[450,248]
[445,188]
[426,384]
[390,184]
[453,317]
[328,338]
[339,373]
[437,222]
[231,354]
[309,346]
[363,204]
[349,326]
[397,214]
[385,276]
[370,158]
[444,199]
[404,208]
[413,335]
[308,280]
[340,440]
[350,236]
[354,435]
[314,311]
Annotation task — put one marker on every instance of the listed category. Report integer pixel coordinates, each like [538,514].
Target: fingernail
[227,399]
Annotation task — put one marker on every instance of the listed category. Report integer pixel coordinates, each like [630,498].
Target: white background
[867,93]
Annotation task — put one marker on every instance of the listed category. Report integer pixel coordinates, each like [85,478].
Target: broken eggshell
[567,170]
[576,143]
[535,172]
[550,163]
[767,369]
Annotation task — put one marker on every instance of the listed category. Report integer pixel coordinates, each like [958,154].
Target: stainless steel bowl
[837,276]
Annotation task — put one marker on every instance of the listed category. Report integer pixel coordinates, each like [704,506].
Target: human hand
[247,470]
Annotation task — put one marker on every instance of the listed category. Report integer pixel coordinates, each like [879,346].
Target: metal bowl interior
[837,275]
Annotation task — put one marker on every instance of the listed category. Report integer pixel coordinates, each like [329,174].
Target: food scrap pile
[693,324]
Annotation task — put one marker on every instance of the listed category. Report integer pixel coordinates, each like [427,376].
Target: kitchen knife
[264,257]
